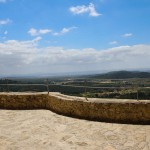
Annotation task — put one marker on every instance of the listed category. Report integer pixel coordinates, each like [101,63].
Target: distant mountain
[122,75]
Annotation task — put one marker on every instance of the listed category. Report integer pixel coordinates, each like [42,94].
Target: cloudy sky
[57,36]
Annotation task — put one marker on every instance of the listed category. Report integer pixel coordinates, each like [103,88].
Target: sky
[58,36]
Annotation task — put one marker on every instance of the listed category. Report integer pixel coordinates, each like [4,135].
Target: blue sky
[73,35]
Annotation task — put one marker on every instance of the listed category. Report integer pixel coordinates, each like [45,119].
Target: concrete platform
[45,130]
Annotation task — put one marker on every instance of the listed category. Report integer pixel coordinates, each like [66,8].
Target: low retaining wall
[108,110]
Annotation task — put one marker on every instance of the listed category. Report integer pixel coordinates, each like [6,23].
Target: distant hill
[122,75]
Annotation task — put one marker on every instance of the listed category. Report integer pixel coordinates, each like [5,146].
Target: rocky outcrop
[108,110]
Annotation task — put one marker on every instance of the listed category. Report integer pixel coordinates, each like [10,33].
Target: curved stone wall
[108,110]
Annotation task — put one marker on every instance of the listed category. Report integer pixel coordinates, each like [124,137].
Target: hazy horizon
[65,74]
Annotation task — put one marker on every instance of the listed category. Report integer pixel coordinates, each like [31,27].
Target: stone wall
[108,110]
[23,101]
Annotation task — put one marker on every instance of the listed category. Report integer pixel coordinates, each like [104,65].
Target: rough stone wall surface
[122,111]
[23,101]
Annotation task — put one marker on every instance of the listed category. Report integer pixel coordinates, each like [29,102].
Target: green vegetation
[121,94]
[89,86]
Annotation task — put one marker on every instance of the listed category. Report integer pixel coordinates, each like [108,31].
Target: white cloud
[79,9]
[127,35]
[44,31]
[6,32]
[26,57]
[113,42]
[4,22]
[85,9]
[92,11]
[37,39]
[35,32]
[64,31]
[3,1]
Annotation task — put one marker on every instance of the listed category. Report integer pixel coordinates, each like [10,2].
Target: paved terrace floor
[45,130]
